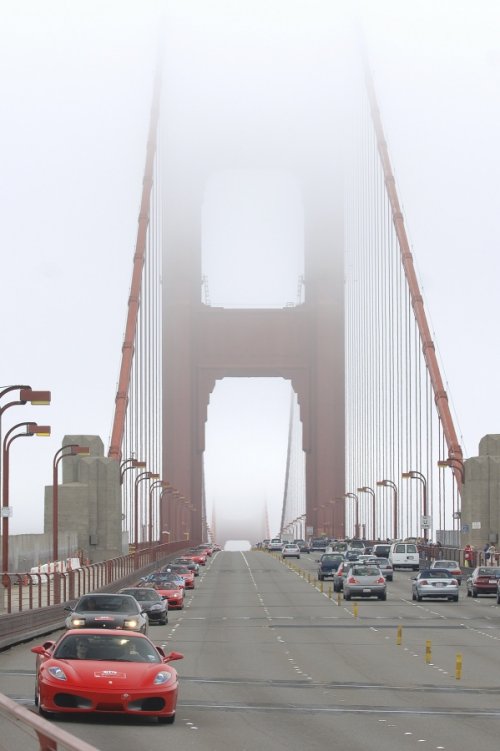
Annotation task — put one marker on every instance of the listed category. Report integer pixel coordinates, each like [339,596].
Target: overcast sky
[75,87]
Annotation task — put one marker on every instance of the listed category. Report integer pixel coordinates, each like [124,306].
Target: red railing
[34,603]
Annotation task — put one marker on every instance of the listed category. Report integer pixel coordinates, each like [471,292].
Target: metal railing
[24,729]
[33,604]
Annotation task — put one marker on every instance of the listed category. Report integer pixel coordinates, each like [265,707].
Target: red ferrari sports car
[113,671]
[186,574]
[173,593]
[198,557]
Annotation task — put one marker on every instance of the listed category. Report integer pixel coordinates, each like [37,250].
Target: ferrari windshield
[126,648]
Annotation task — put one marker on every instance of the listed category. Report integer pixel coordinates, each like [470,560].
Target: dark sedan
[340,576]
[483,581]
[150,602]
[107,611]
[303,546]
[328,564]
[353,555]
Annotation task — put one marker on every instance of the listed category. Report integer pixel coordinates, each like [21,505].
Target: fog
[252,93]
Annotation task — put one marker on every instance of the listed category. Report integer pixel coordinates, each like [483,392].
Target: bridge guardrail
[24,729]
[37,607]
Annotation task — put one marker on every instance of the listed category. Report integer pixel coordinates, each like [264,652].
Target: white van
[404,555]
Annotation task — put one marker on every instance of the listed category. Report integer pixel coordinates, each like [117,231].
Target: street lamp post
[455,464]
[140,478]
[152,487]
[26,394]
[356,523]
[412,474]
[165,519]
[367,489]
[458,468]
[127,503]
[395,520]
[31,429]
[176,515]
[71,449]
[301,524]
[128,464]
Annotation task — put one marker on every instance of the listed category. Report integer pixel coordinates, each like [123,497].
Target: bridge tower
[302,344]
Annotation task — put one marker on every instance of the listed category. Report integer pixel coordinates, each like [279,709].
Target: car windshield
[145,595]
[435,573]
[330,557]
[106,648]
[493,572]
[366,571]
[446,564]
[107,604]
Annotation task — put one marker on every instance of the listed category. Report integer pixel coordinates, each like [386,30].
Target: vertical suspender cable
[122,397]
[440,396]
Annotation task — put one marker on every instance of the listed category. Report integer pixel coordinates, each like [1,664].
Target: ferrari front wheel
[38,703]
[167,720]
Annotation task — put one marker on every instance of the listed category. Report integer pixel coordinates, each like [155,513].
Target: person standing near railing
[469,555]
[492,555]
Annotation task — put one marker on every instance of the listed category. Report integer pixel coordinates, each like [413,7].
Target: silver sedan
[435,583]
[365,580]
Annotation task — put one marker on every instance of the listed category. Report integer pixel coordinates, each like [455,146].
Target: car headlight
[177,595]
[77,622]
[131,623]
[163,677]
[156,606]
[57,673]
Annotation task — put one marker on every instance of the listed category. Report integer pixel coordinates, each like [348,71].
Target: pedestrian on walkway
[492,556]
[468,555]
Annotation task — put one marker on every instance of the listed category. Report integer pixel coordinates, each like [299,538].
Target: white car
[290,550]
[275,544]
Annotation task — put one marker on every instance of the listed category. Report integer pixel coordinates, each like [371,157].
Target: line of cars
[360,574]
[105,662]
[440,579]
[275,544]
[355,573]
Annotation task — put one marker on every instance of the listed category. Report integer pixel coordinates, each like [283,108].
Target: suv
[319,543]
[328,564]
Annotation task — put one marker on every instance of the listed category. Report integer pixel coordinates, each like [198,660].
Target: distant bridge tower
[303,344]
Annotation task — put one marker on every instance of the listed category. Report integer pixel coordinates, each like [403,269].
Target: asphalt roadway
[273,663]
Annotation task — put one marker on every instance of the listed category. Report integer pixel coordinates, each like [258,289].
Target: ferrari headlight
[131,623]
[164,677]
[57,673]
[77,622]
